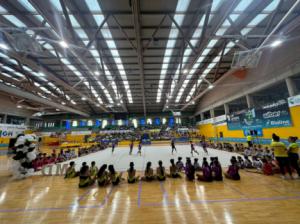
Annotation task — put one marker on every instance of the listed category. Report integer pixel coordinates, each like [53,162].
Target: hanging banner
[269,116]
[294,101]
[275,115]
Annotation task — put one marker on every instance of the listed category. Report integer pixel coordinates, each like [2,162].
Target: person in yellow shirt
[249,140]
[293,150]
[281,155]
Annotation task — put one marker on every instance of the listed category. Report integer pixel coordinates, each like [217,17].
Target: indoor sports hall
[139,111]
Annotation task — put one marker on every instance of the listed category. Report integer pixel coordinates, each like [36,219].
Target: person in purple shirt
[189,170]
[217,170]
[207,173]
[233,170]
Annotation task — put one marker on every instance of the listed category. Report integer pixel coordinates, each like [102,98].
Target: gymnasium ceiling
[136,56]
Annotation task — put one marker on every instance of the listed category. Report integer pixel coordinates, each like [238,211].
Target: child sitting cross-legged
[131,174]
[173,170]
[233,170]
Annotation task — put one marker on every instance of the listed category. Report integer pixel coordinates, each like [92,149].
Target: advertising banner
[294,101]
[11,130]
[275,115]
[269,116]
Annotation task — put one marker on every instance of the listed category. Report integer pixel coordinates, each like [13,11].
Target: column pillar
[4,119]
[226,108]
[249,99]
[212,113]
[202,116]
[27,121]
[290,86]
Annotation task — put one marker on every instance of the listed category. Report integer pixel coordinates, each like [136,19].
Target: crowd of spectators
[44,159]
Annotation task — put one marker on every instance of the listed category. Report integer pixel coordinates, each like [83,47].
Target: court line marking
[279,198]
[139,194]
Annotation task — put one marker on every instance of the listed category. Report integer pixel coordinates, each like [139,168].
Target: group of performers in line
[107,174]
[173,147]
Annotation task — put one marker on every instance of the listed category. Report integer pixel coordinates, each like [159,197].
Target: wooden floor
[254,199]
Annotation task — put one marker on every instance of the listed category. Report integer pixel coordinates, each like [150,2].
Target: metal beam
[204,40]
[50,76]
[55,20]
[182,34]
[154,33]
[97,32]
[125,34]
[137,26]
[30,96]
[219,62]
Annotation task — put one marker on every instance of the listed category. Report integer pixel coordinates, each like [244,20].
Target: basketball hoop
[246,59]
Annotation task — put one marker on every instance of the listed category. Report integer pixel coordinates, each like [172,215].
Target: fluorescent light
[83,98]
[57,109]
[185,71]
[97,105]
[41,74]
[276,43]
[63,44]
[19,106]
[4,46]
[211,86]
[63,103]
[97,73]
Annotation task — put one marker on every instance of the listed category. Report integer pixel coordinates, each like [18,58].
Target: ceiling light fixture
[211,86]
[42,74]
[63,44]
[97,73]
[83,98]
[4,46]
[276,43]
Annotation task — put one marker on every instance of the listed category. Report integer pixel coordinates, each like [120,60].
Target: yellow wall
[210,130]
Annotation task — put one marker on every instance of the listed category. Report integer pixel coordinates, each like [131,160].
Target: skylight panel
[257,19]
[221,31]
[212,43]
[215,5]
[81,33]
[246,30]
[111,44]
[182,6]
[93,5]
[272,6]
[74,22]
[234,17]
[15,20]
[57,5]
[27,5]
[242,5]
[206,51]
[99,19]
[39,18]
[2,10]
